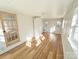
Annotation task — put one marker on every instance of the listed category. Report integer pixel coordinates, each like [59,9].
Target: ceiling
[46,8]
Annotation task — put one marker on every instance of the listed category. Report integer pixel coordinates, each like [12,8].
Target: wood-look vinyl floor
[49,48]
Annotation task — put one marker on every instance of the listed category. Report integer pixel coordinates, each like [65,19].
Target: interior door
[10,30]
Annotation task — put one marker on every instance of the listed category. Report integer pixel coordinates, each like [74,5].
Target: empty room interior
[38,29]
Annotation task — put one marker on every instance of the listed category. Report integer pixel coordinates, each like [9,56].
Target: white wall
[25,24]
[38,24]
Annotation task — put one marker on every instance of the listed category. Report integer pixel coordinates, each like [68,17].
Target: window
[73,38]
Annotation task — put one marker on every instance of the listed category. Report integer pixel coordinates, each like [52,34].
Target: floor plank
[49,48]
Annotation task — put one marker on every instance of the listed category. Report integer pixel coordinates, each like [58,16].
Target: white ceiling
[47,8]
